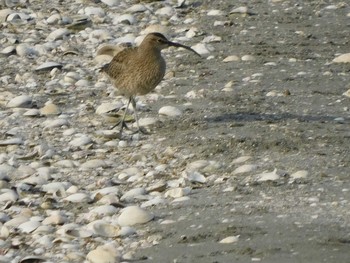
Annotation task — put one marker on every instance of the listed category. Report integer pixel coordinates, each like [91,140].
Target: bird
[138,70]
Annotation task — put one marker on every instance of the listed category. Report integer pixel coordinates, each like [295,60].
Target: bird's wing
[118,63]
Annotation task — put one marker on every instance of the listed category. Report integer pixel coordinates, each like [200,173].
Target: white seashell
[201,49]
[22,101]
[239,10]
[138,8]
[241,159]
[211,39]
[4,232]
[181,199]
[344,58]
[215,12]
[124,19]
[104,254]
[178,192]
[248,58]
[196,177]
[126,231]
[93,164]
[299,174]
[246,168]
[55,123]
[47,66]
[77,198]
[4,13]
[133,215]
[53,19]
[232,58]
[271,176]
[32,113]
[55,219]
[148,121]
[347,93]
[197,165]
[13,141]
[110,2]
[29,226]
[50,109]
[103,229]
[16,221]
[132,194]
[8,50]
[8,196]
[104,210]
[56,187]
[108,107]
[65,163]
[80,141]
[35,180]
[229,240]
[59,33]
[23,50]
[153,202]
[100,34]
[170,111]
[96,11]
[165,11]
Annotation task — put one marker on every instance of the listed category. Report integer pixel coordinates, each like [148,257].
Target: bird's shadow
[273,118]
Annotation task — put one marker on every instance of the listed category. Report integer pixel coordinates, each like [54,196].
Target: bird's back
[134,71]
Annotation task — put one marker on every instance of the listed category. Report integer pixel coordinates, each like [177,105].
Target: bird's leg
[122,123]
[142,130]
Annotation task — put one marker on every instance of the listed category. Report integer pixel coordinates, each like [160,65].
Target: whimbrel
[138,70]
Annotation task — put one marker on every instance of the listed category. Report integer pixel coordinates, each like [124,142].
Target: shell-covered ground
[248,156]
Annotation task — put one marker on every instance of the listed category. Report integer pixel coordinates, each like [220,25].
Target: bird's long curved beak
[173,44]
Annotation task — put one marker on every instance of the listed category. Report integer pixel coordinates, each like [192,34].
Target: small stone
[50,109]
[59,33]
[246,168]
[47,66]
[299,174]
[232,58]
[229,240]
[344,58]
[107,253]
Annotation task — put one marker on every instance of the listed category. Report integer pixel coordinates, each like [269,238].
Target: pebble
[107,253]
[299,174]
[268,176]
[229,240]
[245,168]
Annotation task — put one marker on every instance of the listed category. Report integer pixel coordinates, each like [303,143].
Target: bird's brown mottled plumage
[138,70]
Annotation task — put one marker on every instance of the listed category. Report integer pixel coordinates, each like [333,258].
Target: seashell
[54,19]
[47,66]
[195,177]
[299,174]
[108,107]
[138,8]
[110,2]
[56,187]
[272,176]
[248,58]
[94,11]
[170,111]
[153,202]
[133,215]
[347,93]
[232,58]
[16,221]
[57,34]
[50,109]
[215,12]
[13,141]
[80,141]
[124,19]
[103,229]
[132,194]
[29,226]
[4,232]
[8,196]
[56,218]
[78,198]
[246,168]
[104,210]
[33,259]
[22,101]
[201,49]
[8,50]
[100,35]
[4,13]
[93,164]
[32,113]
[239,10]
[229,240]
[107,253]
[178,192]
[344,58]
[165,11]
[55,123]
[241,159]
